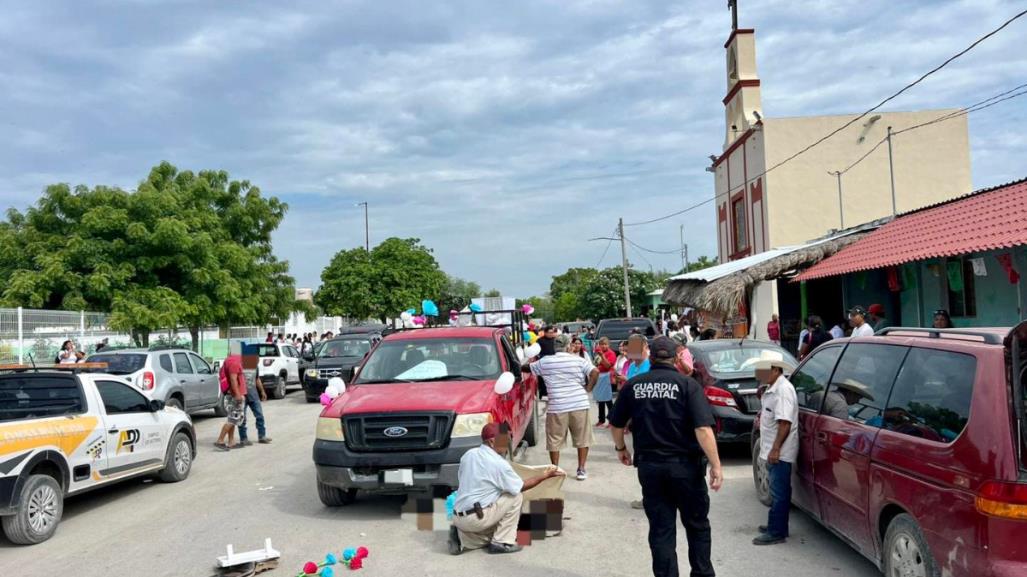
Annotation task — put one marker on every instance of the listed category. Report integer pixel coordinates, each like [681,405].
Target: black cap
[858,310]
[663,348]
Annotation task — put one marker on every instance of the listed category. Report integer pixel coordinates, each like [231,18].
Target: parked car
[278,367]
[337,358]
[417,404]
[620,329]
[575,327]
[63,433]
[726,370]
[913,448]
[178,377]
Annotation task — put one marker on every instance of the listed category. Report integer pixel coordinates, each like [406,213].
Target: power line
[639,247]
[608,245]
[639,253]
[852,121]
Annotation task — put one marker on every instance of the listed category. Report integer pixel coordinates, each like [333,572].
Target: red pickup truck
[416,404]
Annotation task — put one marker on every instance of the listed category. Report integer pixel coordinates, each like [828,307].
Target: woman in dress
[605,361]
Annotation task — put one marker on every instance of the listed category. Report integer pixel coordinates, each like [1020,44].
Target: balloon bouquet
[336,386]
[352,558]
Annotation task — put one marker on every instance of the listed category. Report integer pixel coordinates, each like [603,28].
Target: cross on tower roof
[733,6]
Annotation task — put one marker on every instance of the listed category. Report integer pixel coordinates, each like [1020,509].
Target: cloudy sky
[503,134]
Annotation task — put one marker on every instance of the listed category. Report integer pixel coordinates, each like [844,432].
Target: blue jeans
[253,402]
[780,497]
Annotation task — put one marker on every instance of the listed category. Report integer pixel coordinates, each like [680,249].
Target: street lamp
[367,232]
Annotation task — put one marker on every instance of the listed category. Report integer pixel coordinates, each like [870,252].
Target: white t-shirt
[67,358]
[837,332]
[779,404]
[864,330]
[565,376]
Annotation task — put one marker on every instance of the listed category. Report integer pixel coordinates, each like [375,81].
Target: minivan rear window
[38,397]
[932,395]
[120,364]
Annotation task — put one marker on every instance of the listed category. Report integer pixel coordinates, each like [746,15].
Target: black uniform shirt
[664,407]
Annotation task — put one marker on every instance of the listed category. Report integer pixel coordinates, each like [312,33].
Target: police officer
[673,428]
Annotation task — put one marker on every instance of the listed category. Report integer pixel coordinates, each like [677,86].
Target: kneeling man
[488,502]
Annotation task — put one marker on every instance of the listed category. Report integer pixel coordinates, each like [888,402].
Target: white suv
[63,433]
[279,366]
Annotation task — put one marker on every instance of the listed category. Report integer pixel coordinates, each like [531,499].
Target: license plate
[398,477]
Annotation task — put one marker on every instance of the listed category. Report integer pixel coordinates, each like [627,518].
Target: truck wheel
[221,409]
[531,434]
[760,475]
[334,496]
[179,460]
[39,510]
[906,551]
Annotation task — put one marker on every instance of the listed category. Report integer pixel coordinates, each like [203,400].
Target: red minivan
[416,404]
[912,449]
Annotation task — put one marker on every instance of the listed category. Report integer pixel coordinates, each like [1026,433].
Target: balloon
[504,383]
[405,316]
[336,386]
[419,320]
[527,309]
[475,308]
[429,308]
[520,355]
[325,399]
[674,317]
[533,351]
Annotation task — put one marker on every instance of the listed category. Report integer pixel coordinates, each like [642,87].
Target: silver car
[179,377]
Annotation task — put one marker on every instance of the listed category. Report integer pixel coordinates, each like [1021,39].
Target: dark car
[913,448]
[336,358]
[620,329]
[727,371]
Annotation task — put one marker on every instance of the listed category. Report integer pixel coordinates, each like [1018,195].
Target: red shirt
[611,359]
[233,365]
[774,331]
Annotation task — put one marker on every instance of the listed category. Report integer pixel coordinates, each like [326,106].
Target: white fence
[37,335]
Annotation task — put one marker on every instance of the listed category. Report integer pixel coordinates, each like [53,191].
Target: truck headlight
[329,429]
[312,373]
[471,425]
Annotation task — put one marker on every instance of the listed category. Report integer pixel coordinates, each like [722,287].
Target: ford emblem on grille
[395,431]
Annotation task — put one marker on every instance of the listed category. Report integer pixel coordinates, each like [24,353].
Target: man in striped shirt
[569,380]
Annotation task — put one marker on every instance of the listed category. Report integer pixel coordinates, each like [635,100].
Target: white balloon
[405,316]
[336,386]
[504,383]
[520,354]
[533,351]
[674,317]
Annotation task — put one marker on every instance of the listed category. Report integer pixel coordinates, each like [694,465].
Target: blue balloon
[412,312]
[429,308]
[475,308]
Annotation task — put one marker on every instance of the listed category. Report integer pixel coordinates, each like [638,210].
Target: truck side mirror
[504,383]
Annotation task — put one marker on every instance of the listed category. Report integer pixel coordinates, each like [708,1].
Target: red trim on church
[734,146]
[738,86]
[738,31]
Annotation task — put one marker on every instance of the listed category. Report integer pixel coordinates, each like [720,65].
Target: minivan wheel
[906,553]
[334,496]
[760,475]
[39,507]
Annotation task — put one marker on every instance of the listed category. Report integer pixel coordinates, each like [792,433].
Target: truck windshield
[345,348]
[621,330]
[431,360]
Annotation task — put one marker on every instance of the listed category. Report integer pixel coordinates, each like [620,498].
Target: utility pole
[684,259]
[688,263]
[624,265]
[891,170]
[367,229]
[841,211]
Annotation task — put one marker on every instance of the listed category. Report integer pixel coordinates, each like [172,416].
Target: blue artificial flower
[327,572]
[349,554]
[330,559]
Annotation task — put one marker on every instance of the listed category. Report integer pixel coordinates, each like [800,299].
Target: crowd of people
[303,342]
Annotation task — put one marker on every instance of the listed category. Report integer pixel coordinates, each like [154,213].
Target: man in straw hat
[779,446]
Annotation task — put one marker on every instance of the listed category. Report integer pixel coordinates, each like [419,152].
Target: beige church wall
[932,164]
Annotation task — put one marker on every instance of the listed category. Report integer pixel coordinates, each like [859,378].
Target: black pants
[669,489]
[603,407]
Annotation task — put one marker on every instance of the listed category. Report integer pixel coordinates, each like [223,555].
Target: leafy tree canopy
[395,276]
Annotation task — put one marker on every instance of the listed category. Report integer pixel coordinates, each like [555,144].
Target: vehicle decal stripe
[64,432]
[10,464]
[133,466]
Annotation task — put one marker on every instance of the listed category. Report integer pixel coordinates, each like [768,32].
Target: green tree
[184,249]
[566,307]
[457,294]
[703,262]
[570,282]
[493,293]
[396,275]
[603,295]
[543,307]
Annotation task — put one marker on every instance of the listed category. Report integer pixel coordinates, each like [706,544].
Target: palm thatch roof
[723,295]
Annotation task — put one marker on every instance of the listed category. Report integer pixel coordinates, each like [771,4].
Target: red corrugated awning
[989,219]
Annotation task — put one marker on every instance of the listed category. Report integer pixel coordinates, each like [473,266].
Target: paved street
[149,528]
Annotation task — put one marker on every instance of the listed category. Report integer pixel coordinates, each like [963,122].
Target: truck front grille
[397,431]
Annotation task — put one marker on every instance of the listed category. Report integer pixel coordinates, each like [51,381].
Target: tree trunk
[194,332]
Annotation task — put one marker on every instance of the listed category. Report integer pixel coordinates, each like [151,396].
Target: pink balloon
[419,320]
[527,309]
[325,399]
